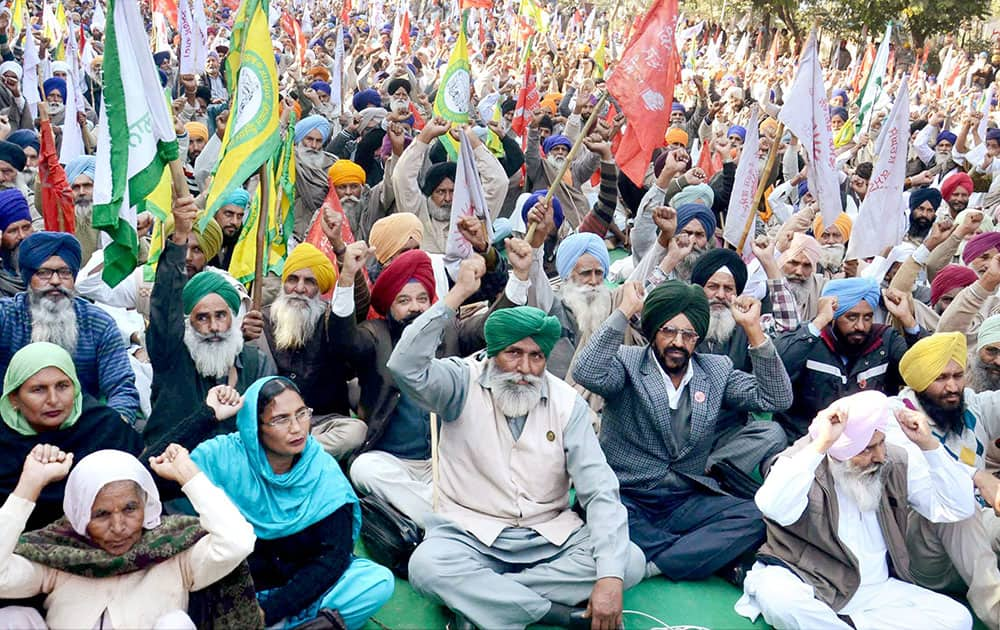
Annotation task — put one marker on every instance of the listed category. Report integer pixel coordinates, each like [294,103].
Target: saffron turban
[715,259]
[843,224]
[507,326]
[197,130]
[13,208]
[673,298]
[307,256]
[307,124]
[989,332]
[675,135]
[956,180]
[556,141]
[926,359]
[390,234]
[699,193]
[696,212]
[576,245]
[13,155]
[979,245]
[801,244]
[205,283]
[867,412]
[318,73]
[41,246]
[81,165]
[411,265]
[920,195]
[951,277]
[346,172]
[851,291]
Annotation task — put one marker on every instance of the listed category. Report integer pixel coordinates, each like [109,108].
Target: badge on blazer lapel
[699,397]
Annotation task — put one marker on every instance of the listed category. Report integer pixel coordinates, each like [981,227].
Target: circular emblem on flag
[455,93]
[256,95]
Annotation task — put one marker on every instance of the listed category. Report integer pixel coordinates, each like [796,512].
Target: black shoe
[460,622]
[736,572]
[564,616]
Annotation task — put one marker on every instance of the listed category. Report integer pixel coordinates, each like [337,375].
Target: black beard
[671,371]
[919,226]
[951,420]
[397,326]
[849,348]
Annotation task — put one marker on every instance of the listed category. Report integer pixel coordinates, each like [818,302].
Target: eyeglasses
[302,416]
[670,332]
[45,274]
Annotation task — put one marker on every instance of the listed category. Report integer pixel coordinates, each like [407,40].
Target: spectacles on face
[45,274]
[688,336]
[302,416]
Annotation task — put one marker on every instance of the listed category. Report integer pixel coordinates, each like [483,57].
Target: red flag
[291,27]
[57,196]
[167,8]
[437,29]
[475,4]
[527,100]
[315,234]
[643,85]
[404,37]
[345,13]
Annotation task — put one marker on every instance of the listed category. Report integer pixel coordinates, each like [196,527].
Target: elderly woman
[303,510]
[113,562]
[42,403]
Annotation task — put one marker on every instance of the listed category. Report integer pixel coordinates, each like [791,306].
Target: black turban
[508,106]
[397,83]
[437,174]
[673,298]
[920,195]
[715,259]
[13,155]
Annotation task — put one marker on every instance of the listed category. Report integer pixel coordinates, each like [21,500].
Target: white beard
[831,257]
[439,213]
[721,324]
[589,305]
[555,162]
[513,399]
[310,157]
[212,359]
[294,320]
[54,319]
[864,486]
[84,208]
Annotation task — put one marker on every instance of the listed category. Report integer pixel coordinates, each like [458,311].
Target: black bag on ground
[389,535]
[326,619]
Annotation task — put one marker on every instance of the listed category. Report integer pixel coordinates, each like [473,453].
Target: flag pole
[569,157]
[263,211]
[772,156]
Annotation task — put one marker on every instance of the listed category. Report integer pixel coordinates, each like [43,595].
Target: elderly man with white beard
[194,343]
[836,505]
[311,164]
[798,263]
[363,205]
[503,549]
[50,311]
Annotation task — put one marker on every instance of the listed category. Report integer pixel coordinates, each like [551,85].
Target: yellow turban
[346,172]
[209,240]
[308,256]
[768,126]
[197,130]
[843,224]
[389,234]
[926,359]
[675,135]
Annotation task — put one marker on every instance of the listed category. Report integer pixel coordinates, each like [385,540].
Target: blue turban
[842,93]
[920,195]
[803,188]
[946,135]
[576,245]
[13,207]
[556,141]
[850,291]
[737,130]
[501,231]
[677,107]
[80,165]
[993,134]
[699,193]
[839,111]
[55,83]
[41,246]
[322,86]
[307,124]
[25,138]
[692,211]
[538,195]
[237,197]
[366,98]
[160,57]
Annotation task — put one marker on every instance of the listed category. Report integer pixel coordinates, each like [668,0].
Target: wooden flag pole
[262,215]
[772,156]
[569,158]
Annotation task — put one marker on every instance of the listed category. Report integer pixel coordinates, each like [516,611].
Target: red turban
[979,245]
[950,277]
[412,265]
[949,185]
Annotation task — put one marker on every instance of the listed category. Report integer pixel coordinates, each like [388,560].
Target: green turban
[205,282]
[673,298]
[26,362]
[507,326]
[209,239]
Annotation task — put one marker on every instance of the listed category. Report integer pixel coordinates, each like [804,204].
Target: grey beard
[513,399]
[27,177]
[84,207]
[721,324]
[862,485]
[294,319]
[438,213]
[590,307]
[310,157]
[555,162]
[981,378]
[799,290]
[53,319]
[831,257]
[212,359]
[684,267]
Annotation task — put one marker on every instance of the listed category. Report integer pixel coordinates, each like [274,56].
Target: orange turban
[319,73]
[346,172]
[197,130]
[843,224]
[551,102]
[390,234]
[676,135]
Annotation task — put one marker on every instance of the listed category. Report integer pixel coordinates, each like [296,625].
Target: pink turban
[867,412]
[979,245]
[801,244]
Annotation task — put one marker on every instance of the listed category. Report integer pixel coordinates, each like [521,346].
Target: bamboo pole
[262,214]
[772,156]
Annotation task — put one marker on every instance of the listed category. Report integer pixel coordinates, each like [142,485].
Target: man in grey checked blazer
[662,402]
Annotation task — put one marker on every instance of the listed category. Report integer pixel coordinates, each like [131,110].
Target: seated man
[661,406]
[504,549]
[836,505]
[51,311]
[15,226]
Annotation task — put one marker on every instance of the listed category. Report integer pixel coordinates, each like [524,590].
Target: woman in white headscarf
[113,561]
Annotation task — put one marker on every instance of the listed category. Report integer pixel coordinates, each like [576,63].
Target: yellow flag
[17,17]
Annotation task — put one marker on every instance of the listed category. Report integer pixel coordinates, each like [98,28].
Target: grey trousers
[745,447]
[513,582]
[339,435]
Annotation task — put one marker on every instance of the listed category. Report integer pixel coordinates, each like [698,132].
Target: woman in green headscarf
[42,403]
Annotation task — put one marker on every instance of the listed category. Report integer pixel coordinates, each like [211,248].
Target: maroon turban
[980,244]
[949,185]
[950,277]
[412,265]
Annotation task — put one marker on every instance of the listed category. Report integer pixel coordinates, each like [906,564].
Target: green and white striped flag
[873,84]
[135,137]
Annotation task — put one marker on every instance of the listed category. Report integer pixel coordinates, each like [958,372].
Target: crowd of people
[602,391]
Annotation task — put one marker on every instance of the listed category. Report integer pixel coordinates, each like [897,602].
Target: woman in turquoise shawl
[302,508]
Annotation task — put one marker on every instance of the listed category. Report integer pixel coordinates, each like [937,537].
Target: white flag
[882,217]
[806,113]
[872,89]
[743,48]
[469,200]
[337,79]
[29,75]
[98,17]
[72,136]
[194,36]
[744,189]
[985,109]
